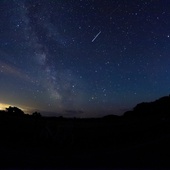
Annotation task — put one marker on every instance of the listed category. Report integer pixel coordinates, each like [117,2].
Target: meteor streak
[96,36]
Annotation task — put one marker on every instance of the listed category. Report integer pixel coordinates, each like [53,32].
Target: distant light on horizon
[3,106]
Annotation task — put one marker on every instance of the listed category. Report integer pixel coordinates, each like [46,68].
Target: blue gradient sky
[50,61]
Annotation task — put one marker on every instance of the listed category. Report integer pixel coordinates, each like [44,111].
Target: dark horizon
[71,113]
[160,103]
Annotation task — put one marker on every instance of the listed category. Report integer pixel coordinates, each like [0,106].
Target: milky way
[83,57]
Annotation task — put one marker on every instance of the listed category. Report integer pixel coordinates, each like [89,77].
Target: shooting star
[96,36]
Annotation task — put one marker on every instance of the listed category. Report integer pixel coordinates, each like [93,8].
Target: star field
[83,58]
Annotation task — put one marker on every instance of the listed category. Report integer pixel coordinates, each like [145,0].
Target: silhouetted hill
[158,109]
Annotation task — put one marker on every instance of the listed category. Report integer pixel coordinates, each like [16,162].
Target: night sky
[84,58]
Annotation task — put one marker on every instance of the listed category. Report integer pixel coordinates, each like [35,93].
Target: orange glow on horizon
[3,106]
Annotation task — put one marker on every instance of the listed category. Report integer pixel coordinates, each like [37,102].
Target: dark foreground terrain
[139,139]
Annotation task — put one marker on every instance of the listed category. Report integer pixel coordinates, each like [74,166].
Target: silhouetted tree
[36,114]
[14,111]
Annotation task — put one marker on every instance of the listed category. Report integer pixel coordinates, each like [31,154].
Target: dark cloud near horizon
[74,112]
